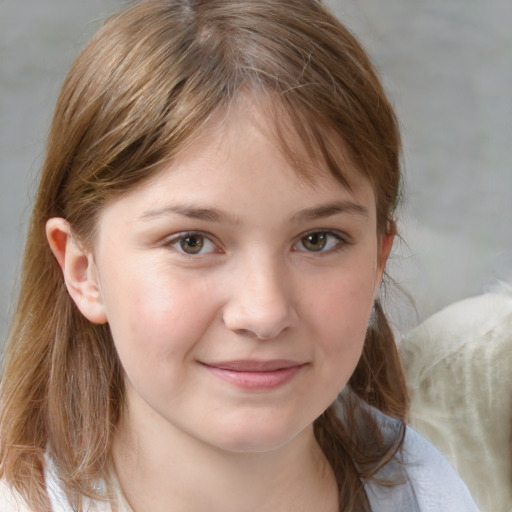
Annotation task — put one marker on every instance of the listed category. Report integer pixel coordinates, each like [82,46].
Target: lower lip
[256,381]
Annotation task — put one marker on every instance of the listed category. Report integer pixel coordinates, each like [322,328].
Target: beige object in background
[459,372]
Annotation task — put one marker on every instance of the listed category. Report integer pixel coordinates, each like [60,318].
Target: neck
[163,469]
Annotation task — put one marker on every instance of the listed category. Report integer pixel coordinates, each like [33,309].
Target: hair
[138,93]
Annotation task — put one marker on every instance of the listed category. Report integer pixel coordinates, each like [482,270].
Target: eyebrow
[207,214]
[328,210]
[215,215]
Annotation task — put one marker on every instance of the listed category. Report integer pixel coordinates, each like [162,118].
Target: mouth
[255,375]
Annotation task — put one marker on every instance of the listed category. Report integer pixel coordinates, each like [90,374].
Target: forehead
[312,149]
[239,164]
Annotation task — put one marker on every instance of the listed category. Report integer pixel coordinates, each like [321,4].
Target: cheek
[156,318]
[339,315]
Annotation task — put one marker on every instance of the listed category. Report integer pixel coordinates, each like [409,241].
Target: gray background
[447,65]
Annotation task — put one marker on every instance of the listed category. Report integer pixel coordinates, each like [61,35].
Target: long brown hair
[137,94]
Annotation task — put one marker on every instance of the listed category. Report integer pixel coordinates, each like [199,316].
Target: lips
[255,375]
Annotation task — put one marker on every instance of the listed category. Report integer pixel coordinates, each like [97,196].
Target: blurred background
[447,66]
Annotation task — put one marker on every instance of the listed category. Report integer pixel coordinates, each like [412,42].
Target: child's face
[237,294]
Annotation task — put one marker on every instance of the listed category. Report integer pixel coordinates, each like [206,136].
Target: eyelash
[340,241]
[205,238]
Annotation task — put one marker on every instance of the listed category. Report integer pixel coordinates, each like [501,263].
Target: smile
[255,375]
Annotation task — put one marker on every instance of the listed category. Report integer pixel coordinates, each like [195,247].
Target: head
[151,83]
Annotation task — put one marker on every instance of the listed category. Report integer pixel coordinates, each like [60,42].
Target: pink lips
[255,375]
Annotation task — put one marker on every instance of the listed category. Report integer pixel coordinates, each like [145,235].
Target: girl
[198,326]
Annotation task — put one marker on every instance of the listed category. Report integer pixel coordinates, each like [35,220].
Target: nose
[261,302]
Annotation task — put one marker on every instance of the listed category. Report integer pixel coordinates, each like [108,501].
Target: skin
[286,270]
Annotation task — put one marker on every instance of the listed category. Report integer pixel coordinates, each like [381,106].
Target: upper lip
[251,365]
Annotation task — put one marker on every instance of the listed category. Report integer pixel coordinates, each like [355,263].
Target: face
[238,295]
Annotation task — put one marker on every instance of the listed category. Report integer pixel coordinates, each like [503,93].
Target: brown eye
[192,244]
[314,241]
[320,241]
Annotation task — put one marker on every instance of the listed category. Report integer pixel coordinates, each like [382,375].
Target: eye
[192,244]
[319,241]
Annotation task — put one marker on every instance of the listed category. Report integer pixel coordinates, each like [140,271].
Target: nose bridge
[260,301]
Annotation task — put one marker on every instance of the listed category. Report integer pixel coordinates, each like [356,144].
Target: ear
[385,242]
[385,245]
[78,268]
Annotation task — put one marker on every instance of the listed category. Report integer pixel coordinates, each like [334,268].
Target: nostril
[246,333]
[259,335]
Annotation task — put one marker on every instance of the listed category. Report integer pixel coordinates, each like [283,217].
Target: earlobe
[78,268]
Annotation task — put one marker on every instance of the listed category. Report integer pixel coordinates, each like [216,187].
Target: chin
[256,438]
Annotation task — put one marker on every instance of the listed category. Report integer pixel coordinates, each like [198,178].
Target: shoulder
[457,365]
[470,340]
[57,495]
[426,481]
[434,482]
[10,500]
[457,327]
